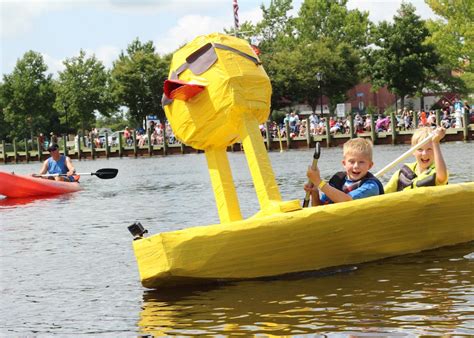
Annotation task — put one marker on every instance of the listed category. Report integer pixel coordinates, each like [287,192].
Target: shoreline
[392,137]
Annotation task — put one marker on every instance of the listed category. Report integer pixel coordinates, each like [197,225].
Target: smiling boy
[355,183]
[429,168]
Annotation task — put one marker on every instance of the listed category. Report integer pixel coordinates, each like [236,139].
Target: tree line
[409,55]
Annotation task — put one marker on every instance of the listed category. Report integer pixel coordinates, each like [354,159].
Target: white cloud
[254,15]
[54,65]
[380,10]
[107,54]
[167,7]
[17,17]
[190,26]
[186,29]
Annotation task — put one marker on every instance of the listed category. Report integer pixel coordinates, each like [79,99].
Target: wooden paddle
[279,139]
[317,152]
[106,173]
[403,156]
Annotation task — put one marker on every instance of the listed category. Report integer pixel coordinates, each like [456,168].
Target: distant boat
[15,186]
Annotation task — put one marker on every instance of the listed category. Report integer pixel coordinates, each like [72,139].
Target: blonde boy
[429,168]
[354,183]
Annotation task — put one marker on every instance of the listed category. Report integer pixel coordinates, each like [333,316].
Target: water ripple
[68,268]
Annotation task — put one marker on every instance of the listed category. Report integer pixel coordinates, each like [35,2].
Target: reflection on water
[67,266]
[13,202]
[423,294]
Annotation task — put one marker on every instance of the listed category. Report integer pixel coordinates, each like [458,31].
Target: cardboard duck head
[215,81]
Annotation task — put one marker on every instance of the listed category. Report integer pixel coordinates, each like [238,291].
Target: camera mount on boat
[137,230]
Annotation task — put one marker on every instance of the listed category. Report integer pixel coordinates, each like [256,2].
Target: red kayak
[13,185]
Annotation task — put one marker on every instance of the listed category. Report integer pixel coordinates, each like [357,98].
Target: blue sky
[59,29]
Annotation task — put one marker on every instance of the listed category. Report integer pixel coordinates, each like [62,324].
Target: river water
[67,264]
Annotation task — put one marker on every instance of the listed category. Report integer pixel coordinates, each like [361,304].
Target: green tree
[116,121]
[330,20]
[275,33]
[340,66]
[277,27]
[401,58]
[454,39]
[83,90]
[282,74]
[27,97]
[293,73]
[246,31]
[295,49]
[138,76]
[4,126]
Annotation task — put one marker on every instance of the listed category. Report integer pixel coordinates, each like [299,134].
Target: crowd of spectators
[157,134]
[298,127]
[404,120]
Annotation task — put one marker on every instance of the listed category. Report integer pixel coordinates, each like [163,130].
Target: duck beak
[181,90]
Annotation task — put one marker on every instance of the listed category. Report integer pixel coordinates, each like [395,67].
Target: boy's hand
[314,176]
[438,134]
[309,187]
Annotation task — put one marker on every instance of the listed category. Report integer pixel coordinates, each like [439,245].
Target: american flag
[236,14]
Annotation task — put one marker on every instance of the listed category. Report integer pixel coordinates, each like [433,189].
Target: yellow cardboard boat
[310,239]
[216,94]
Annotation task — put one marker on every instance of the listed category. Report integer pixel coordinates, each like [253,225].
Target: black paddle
[317,152]
[104,174]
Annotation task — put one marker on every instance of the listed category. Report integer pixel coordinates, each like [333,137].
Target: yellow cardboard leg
[223,185]
[261,170]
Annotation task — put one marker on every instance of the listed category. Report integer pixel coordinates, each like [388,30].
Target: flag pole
[236,17]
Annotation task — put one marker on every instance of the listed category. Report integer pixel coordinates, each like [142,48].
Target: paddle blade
[106,173]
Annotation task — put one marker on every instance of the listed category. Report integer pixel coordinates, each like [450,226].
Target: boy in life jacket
[354,183]
[429,168]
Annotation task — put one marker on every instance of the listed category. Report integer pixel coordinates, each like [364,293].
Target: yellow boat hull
[310,239]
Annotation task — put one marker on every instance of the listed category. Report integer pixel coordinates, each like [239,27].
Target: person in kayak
[429,168]
[354,183]
[58,164]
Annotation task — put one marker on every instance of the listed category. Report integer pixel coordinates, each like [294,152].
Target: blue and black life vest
[339,178]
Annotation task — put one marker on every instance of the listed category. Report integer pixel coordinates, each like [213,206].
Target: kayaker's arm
[70,167]
[314,193]
[332,193]
[44,168]
[315,178]
[440,164]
